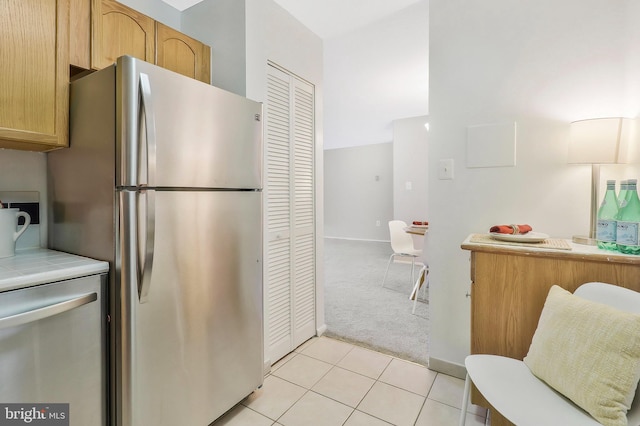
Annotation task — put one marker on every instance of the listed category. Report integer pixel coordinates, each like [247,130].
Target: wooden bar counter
[510,283]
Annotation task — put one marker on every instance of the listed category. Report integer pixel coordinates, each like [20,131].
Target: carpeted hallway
[359,310]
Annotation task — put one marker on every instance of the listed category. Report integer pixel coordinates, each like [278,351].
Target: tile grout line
[335,365]
[378,379]
[307,390]
[420,411]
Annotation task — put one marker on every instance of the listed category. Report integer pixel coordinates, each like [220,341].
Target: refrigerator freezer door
[204,137]
[197,343]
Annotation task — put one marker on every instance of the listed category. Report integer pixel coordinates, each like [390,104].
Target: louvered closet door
[303,226]
[278,256]
[290,239]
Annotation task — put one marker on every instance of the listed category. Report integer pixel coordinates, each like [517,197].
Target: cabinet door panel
[180,53]
[34,65]
[118,30]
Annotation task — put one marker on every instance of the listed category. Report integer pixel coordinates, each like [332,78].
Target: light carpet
[359,310]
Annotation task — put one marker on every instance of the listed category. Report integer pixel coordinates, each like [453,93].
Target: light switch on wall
[408,186]
[445,169]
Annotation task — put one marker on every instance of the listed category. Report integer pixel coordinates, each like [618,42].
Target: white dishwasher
[53,331]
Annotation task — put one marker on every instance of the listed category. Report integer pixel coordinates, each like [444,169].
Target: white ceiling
[182,4]
[331,18]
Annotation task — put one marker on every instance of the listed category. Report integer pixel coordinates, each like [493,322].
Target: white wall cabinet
[290,215]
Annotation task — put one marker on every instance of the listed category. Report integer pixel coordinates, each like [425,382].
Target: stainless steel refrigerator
[163,179]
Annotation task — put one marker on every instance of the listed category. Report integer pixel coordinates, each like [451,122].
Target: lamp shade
[599,141]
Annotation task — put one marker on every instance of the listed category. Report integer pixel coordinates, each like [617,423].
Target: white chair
[402,245]
[523,399]
[423,277]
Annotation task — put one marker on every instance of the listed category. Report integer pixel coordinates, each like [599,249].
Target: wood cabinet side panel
[62,75]
[205,65]
[80,33]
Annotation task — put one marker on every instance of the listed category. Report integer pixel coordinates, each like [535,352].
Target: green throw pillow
[589,352]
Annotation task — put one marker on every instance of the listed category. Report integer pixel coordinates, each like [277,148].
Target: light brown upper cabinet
[180,53]
[118,30]
[34,65]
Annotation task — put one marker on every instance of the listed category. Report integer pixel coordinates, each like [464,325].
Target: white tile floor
[326,382]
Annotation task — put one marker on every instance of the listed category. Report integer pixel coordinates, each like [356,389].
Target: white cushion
[589,352]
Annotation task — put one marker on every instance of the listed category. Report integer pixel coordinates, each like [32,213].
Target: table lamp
[598,141]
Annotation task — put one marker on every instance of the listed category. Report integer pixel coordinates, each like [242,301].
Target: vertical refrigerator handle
[146,105]
[146,250]
[144,270]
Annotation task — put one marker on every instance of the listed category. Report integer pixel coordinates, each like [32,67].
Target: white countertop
[578,251]
[39,266]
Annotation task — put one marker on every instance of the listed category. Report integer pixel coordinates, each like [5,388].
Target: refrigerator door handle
[46,311]
[150,130]
[144,271]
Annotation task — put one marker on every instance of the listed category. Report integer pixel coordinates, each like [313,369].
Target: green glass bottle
[624,184]
[606,225]
[628,222]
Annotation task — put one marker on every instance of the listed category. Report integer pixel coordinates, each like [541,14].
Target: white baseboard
[266,367]
[446,367]
[321,330]
[356,239]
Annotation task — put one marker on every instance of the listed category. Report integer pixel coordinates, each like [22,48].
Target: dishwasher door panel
[52,347]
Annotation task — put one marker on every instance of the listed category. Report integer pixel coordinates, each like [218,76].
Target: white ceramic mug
[8,233]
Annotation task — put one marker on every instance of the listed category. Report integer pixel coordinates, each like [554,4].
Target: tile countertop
[31,267]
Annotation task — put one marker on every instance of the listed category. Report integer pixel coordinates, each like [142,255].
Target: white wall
[541,64]
[156,9]
[26,171]
[286,42]
[358,192]
[221,25]
[410,171]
